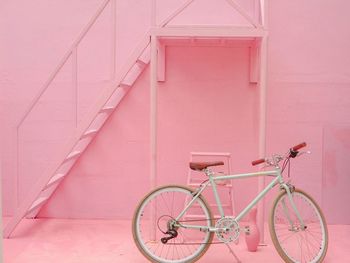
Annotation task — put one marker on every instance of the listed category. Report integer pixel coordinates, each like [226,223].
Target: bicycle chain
[199,243]
[196,220]
[195,243]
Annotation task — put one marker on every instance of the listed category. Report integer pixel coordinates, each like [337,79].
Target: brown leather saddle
[199,166]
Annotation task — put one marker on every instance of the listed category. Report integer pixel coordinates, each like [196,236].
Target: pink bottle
[252,236]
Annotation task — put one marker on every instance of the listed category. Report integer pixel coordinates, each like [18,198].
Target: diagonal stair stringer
[83,135]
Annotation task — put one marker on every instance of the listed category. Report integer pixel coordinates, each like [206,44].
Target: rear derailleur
[172,234]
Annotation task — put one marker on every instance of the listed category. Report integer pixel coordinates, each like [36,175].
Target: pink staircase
[84,133]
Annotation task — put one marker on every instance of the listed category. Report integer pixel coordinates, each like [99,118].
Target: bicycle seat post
[208,172]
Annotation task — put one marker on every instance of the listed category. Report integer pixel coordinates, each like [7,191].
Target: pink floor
[102,241]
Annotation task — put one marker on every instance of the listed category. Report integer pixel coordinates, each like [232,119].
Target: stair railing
[71,53]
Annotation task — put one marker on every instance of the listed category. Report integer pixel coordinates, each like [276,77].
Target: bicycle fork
[289,190]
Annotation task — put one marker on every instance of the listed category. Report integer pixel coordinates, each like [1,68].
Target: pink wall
[309,81]
[117,162]
[205,104]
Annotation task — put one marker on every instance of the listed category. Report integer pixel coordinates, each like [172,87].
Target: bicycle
[163,232]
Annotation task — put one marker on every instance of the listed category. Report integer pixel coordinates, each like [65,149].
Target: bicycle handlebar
[299,146]
[293,149]
[259,161]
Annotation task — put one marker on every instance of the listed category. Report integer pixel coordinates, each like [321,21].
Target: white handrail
[177,11]
[240,10]
[62,62]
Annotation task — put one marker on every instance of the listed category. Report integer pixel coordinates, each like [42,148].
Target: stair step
[141,62]
[132,75]
[107,109]
[72,155]
[145,57]
[55,179]
[89,133]
[118,95]
[37,203]
[124,85]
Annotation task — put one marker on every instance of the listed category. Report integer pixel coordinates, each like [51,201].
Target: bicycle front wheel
[153,217]
[293,242]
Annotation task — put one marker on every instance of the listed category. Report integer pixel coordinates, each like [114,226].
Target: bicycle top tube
[272,161]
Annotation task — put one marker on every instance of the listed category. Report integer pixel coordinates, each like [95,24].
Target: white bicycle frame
[212,181]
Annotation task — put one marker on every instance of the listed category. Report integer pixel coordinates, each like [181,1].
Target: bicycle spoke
[166,204]
[163,206]
[291,240]
[292,235]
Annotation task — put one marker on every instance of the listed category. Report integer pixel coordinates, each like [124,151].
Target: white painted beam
[263,12]
[113,39]
[257,11]
[153,124]
[262,120]
[254,64]
[208,31]
[153,117]
[75,84]
[262,129]
[161,61]
[153,13]
[1,250]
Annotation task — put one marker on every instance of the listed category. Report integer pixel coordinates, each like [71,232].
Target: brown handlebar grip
[299,146]
[259,161]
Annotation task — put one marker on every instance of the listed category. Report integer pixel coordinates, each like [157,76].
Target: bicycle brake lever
[305,152]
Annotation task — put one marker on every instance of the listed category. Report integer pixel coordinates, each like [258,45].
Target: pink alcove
[205,104]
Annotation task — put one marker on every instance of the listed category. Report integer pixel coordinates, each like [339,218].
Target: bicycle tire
[142,212]
[313,239]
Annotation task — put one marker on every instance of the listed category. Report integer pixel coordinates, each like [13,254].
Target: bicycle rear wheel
[292,242]
[159,209]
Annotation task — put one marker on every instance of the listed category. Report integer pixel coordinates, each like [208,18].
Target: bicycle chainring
[228,229]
